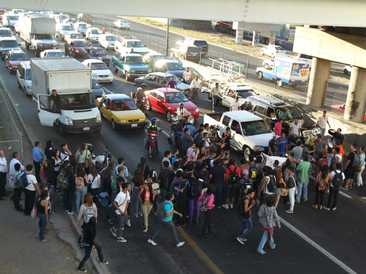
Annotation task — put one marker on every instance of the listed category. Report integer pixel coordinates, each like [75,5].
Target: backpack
[337,180]
[271,187]
[21,180]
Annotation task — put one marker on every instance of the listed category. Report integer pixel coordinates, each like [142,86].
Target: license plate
[133,125]
[86,128]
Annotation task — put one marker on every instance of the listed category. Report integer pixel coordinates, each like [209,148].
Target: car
[24,77]
[201,44]
[96,52]
[107,41]
[5,32]
[93,34]
[121,24]
[169,65]
[228,92]
[7,44]
[167,100]
[10,19]
[52,53]
[13,58]
[75,49]
[129,65]
[100,72]
[347,70]
[121,111]
[190,53]
[123,46]
[97,90]
[271,50]
[63,30]
[151,56]
[81,27]
[160,79]
[69,37]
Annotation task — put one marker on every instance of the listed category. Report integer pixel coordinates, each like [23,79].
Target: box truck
[62,89]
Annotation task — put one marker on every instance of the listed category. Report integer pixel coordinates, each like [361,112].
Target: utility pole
[167,37]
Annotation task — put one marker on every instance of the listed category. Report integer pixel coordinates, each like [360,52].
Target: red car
[13,58]
[167,101]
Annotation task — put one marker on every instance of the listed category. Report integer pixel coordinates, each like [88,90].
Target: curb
[99,268]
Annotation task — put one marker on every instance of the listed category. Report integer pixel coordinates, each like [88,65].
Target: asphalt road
[340,233]
[156,39]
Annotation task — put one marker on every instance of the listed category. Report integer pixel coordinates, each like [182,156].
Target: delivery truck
[38,32]
[62,89]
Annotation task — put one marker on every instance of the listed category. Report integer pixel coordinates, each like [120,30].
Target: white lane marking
[345,194]
[318,247]
[165,133]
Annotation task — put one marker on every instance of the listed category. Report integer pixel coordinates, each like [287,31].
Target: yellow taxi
[121,111]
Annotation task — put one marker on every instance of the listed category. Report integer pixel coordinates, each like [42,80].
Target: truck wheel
[259,75]
[246,153]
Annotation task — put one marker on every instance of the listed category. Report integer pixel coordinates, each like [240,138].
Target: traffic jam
[67,65]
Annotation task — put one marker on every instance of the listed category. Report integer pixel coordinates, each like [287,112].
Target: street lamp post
[167,37]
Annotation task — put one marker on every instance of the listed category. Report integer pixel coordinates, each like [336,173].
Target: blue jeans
[264,239]
[79,194]
[302,191]
[245,227]
[42,223]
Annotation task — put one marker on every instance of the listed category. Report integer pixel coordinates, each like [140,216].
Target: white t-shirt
[122,198]
[332,174]
[3,165]
[31,182]
[322,122]
[95,183]
[12,164]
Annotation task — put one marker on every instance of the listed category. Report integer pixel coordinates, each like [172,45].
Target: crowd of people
[197,177]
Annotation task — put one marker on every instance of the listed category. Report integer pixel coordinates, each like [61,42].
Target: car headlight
[68,121]
[99,118]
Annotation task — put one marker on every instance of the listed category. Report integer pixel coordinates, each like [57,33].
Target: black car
[94,52]
[76,49]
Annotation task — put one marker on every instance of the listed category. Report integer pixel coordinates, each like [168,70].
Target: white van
[24,77]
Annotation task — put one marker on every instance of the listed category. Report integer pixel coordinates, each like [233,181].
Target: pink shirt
[278,129]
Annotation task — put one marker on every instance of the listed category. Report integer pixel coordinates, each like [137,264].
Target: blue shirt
[168,210]
[37,154]
[282,143]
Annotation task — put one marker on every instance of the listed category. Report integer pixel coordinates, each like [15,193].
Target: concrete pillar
[253,38]
[319,75]
[239,31]
[356,96]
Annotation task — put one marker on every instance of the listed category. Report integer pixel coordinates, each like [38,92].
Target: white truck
[249,133]
[62,89]
[38,32]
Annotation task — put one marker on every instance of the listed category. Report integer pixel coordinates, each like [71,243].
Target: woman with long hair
[42,213]
[147,199]
[321,186]
[80,187]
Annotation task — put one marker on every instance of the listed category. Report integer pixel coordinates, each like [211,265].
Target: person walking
[207,204]
[89,242]
[246,211]
[291,185]
[37,156]
[268,218]
[42,214]
[303,175]
[360,167]
[87,210]
[321,186]
[147,198]
[18,187]
[11,175]
[3,173]
[80,188]
[336,181]
[167,211]
[30,190]
[323,122]
[120,204]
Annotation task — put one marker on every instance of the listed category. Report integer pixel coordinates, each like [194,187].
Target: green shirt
[303,172]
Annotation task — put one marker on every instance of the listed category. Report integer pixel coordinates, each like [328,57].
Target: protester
[291,185]
[37,156]
[30,190]
[323,122]
[15,160]
[246,226]
[303,174]
[336,181]
[207,204]
[321,186]
[3,173]
[42,213]
[120,204]
[147,198]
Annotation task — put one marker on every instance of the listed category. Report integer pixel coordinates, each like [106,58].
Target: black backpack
[271,187]
[337,180]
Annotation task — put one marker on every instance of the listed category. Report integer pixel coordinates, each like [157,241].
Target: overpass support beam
[239,32]
[356,96]
[319,75]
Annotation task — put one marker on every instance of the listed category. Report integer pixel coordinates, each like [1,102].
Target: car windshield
[200,43]
[76,101]
[288,113]
[78,44]
[97,52]
[55,54]
[123,104]
[13,17]
[98,66]
[28,75]
[111,38]
[193,49]
[67,28]
[254,128]
[75,36]
[17,57]
[175,97]
[133,59]
[245,93]
[174,66]
[82,26]
[94,31]
[8,44]
[5,33]
[135,44]
[43,36]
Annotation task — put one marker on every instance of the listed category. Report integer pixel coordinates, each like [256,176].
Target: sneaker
[315,206]
[180,244]
[272,246]
[44,240]
[152,242]
[240,240]
[113,231]
[225,206]
[334,209]
[70,213]
[145,230]
[121,240]
[105,262]
[82,269]
[261,252]
[128,223]
[289,212]
[327,208]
